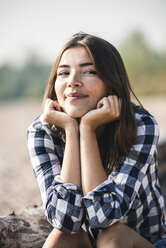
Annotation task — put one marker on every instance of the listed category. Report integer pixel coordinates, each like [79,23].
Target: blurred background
[32,32]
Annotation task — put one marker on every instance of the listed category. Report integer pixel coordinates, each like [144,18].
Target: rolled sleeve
[101,205]
[64,209]
[111,200]
[62,201]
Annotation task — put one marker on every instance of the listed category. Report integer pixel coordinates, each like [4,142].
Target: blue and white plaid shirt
[131,194]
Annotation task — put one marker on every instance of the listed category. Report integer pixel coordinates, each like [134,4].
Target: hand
[53,115]
[108,110]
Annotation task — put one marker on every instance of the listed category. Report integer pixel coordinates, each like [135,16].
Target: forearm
[70,172]
[92,171]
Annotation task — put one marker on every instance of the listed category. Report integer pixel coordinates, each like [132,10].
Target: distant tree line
[28,81]
[146,68]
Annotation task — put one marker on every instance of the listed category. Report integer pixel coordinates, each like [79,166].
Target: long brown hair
[118,136]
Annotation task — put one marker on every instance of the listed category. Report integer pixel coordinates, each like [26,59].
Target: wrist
[71,128]
[86,127]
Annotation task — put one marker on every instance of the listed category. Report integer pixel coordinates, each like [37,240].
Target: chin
[76,114]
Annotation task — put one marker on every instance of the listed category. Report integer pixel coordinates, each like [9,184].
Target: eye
[63,73]
[93,72]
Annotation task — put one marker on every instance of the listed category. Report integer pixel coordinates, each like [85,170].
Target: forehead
[76,55]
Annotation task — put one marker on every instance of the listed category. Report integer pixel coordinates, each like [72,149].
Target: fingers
[52,105]
[56,105]
[112,106]
[103,103]
[115,105]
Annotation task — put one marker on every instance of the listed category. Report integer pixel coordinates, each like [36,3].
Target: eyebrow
[81,65]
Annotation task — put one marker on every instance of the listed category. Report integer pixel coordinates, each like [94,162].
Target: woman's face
[78,87]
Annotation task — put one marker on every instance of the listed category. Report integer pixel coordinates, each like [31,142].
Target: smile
[75,96]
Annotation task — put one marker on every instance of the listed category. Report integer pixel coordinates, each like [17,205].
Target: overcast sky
[43,26]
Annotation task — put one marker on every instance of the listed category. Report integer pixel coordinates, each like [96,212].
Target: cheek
[100,92]
[58,91]
[98,88]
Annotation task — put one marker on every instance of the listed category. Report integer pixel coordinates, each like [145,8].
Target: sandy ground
[18,186]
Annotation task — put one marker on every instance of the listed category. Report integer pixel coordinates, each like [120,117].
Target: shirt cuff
[65,211]
[64,188]
[104,191]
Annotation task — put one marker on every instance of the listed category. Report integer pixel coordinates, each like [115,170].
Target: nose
[73,82]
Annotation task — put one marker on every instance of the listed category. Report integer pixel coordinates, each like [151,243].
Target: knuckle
[104,98]
[107,111]
[47,100]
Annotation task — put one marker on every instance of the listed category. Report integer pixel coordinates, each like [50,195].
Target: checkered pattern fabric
[131,194]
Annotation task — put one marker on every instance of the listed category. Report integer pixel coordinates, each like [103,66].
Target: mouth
[75,96]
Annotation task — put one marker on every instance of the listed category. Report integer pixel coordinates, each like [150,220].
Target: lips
[75,95]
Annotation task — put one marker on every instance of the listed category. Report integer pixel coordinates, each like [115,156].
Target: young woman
[94,154]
